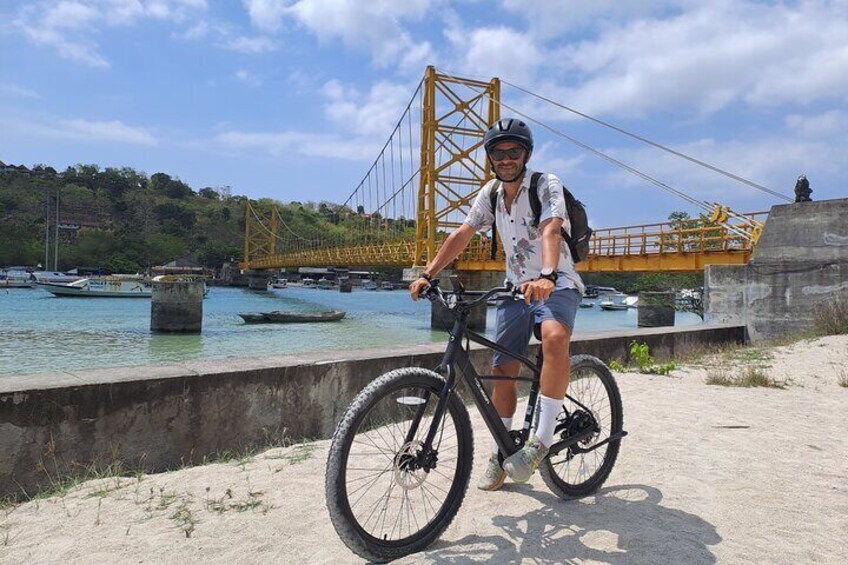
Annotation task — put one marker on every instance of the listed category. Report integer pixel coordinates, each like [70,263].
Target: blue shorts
[515,320]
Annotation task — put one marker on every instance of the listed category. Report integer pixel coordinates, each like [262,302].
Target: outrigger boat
[106,287]
[280,317]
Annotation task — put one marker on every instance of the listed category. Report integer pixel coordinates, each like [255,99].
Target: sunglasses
[501,154]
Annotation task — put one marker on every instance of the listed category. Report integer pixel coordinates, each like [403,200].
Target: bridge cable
[652,143]
[391,135]
[702,204]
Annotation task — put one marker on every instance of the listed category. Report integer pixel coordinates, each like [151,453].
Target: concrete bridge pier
[257,280]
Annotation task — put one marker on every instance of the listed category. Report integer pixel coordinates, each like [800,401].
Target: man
[539,263]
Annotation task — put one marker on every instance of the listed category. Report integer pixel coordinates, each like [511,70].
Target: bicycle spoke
[382,472]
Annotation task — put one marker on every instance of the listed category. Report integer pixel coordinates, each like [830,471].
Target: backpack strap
[535,203]
[493,198]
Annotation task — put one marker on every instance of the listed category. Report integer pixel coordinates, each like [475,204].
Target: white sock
[507,422]
[549,409]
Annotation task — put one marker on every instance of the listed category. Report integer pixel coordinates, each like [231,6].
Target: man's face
[508,166]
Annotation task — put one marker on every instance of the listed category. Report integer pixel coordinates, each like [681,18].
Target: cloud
[283,143]
[108,131]
[374,26]
[266,15]
[113,131]
[250,45]
[249,78]
[830,123]
[498,51]
[772,160]
[705,59]
[373,115]
[548,20]
[70,26]
[15,90]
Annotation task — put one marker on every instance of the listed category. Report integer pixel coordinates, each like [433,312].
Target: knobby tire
[367,450]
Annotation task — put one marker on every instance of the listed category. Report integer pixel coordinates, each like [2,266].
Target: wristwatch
[549,274]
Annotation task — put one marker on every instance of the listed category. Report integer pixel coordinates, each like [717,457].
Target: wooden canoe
[281,317]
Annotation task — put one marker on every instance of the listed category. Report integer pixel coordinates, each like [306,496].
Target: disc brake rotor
[408,475]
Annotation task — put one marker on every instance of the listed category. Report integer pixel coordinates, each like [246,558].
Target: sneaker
[521,465]
[494,475]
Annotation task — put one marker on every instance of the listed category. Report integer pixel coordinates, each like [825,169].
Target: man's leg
[505,393]
[556,341]
[504,397]
[557,315]
[513,333]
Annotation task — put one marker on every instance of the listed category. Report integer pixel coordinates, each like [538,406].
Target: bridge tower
[455,116]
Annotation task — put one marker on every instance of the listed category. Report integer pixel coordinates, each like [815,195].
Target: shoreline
[708,474]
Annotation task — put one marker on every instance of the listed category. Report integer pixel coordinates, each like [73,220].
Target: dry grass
[831,317]
[748,376]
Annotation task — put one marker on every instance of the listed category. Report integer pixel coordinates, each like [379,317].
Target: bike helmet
[510,129]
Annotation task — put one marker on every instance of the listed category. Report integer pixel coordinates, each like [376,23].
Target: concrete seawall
[158,417]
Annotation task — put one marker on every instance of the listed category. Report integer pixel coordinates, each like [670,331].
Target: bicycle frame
[455,355]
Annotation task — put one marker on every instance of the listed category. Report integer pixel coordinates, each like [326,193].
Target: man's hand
[417,287]
[539,289]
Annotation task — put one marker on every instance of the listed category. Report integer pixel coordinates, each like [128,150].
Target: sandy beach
[708,474]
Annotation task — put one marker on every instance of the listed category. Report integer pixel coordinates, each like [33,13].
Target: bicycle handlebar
[434,293]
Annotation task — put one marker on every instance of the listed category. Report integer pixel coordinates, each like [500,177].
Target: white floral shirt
[523,242]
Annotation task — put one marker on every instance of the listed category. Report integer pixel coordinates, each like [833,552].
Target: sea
[43,333]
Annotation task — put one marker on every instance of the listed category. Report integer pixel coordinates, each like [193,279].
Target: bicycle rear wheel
[576,472]
[385,497]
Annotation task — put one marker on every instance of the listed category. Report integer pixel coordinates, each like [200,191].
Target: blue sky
[292,99]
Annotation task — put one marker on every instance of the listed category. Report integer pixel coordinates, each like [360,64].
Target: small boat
[387,285]
[369,285]
[308,282]
[280,283]
[584,304]
[106,287]
[325,284]
[614,302]
[55,277]
[281,317]
[16,277]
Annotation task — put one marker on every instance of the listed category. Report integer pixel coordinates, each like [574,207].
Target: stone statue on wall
[803,190]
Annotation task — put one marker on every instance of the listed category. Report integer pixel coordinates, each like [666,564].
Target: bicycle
[401,455]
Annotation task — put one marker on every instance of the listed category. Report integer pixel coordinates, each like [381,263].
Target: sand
[708,474]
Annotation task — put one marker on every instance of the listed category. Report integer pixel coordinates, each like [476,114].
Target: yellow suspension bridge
[424,180]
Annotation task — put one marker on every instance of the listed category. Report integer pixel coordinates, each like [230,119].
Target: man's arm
[453,246]
[541,289]
[551,240]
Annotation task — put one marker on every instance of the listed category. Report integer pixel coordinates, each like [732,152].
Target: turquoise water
[40,332]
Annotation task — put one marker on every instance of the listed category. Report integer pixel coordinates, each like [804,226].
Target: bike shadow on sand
[619,524]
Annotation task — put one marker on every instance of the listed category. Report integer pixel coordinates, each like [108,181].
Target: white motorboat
[280,283]
[16,277]
[614,302]
[105,287]
[387,285]
[55,277]
[368,284]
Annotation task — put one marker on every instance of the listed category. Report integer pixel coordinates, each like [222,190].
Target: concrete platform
[154,418]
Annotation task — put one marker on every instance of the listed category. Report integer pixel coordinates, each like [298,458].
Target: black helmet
[509,129]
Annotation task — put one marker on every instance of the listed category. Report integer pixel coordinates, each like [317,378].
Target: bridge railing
[682,238]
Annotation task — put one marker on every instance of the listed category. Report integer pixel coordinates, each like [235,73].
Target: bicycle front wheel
[386,497]
[593,401]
